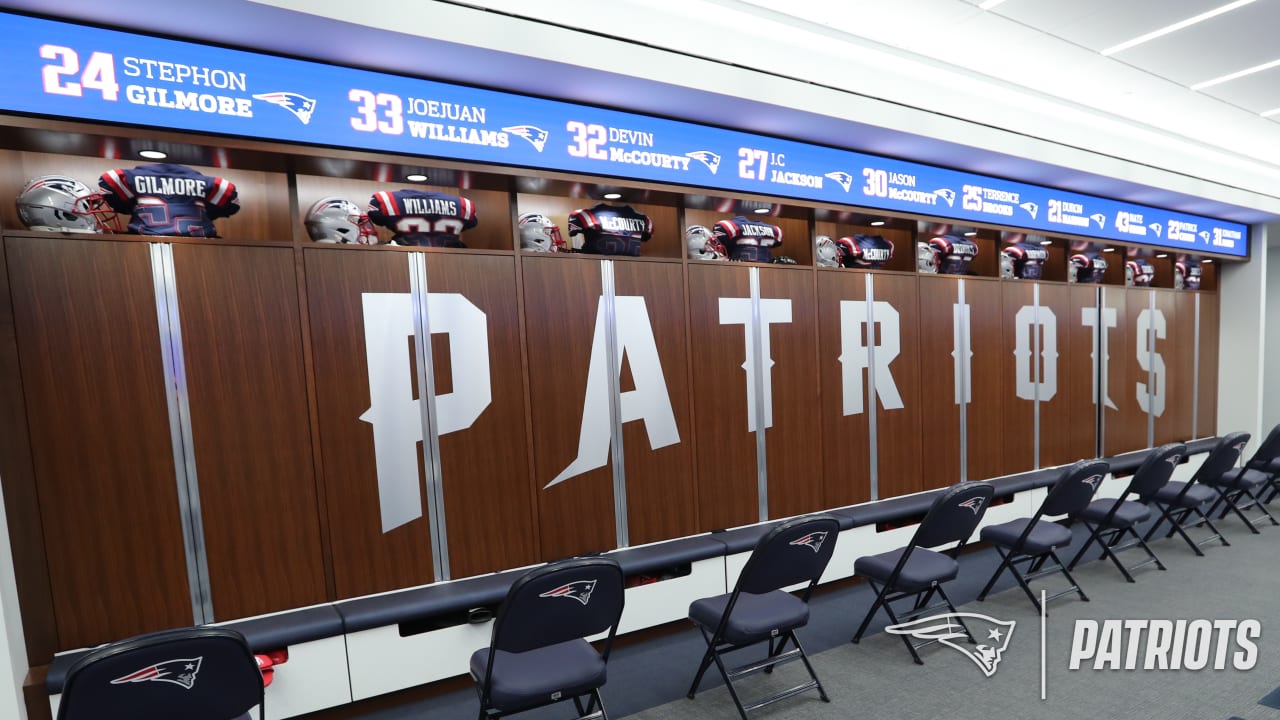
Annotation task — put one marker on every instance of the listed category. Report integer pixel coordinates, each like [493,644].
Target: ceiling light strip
[1235,75]
[1176,26]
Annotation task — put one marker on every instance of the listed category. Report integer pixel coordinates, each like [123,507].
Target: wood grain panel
[365,559]
[792,443]
[21,499]
[246,382]
[726,447]
[1018,424]
[846,450]
[662,497]
[1067,419]
[561,298]
[1077,376]
[1207,410]
[1178,352]
[940,414]
[1125,426]
[89,346]
[668,236]
[262,195]
[898,430]
[488,494]
[493,231]
[991,378]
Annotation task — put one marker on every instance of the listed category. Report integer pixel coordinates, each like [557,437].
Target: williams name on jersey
[423,217]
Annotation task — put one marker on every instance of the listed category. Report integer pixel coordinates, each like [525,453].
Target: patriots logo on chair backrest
[813,540]
[1092,481]
[946,627]
[179,672]
[974,504]
[579,590]
[1173,459]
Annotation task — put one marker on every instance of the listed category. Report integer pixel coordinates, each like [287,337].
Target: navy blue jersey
[1139,273]
[748,240]
[952,254]
[865,251]
[1186,275]
[169,199]
[611,229]
[423,217]
[1023,260]
[1088,267]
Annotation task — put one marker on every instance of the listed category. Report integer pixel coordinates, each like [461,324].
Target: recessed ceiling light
[1046,242]
[762,210]
[1162,255]
[612,196]
[970,234]
[877,223]
[153,154]
[415,177]
[1207,260]
[1235,75]
[1176,26]
[1108,249]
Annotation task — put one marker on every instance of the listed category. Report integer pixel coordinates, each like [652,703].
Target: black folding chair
[1179,501]
[1111,519]
[538,654]
[917,572]
[192,673]
[1034,540]
[1267,460]
[1241,488]
[759,610]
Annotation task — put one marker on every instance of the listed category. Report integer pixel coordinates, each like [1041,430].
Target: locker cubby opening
[557,199]
[659,575]
[845,223]
[793,220]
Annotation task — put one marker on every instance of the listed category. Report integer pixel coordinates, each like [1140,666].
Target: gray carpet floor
[877,679]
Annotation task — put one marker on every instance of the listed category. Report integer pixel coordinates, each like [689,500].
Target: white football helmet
[826,253]
[703,245]
[335,220]
[927,258]
[64,204]
[539,234]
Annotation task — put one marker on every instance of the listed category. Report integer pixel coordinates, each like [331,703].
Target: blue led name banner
[65,70]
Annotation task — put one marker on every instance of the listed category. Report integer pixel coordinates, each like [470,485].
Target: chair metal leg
[1093,535]
[906,639]
[1004,563]
[1065,571]
[866,621]
[702,668]
[733,693]
[1230,497]
[804,658]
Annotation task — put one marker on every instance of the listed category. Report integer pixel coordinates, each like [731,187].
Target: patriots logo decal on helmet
[579,590]
[179,672]
[300,105]
[947,194]
[843,178]
[813,540]
[1092,481]
[536,136]
[973,503]
[947,627]
[706,157]
[1100,219]
[1031,208]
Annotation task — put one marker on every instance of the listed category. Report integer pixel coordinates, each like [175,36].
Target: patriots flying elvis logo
[1031,208]
[536,136]
[813,540]
[946,194]
[844,179]
[1173,459]
[179,672]
[992,637]
[974,504]
[1092,481]
[1156,228]
[300,105]
[1204,235]
[706,157]
[579,590]
[1100,219]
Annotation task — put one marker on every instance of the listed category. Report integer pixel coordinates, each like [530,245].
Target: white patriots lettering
[157,185]
[429,206]
[621,224]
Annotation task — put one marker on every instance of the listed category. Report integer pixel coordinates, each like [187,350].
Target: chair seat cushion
[1197,495]
[1127,514]
[1273,467]
[923,568]
[522,680]
[1044,536]
[754,618]
[1235,479]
